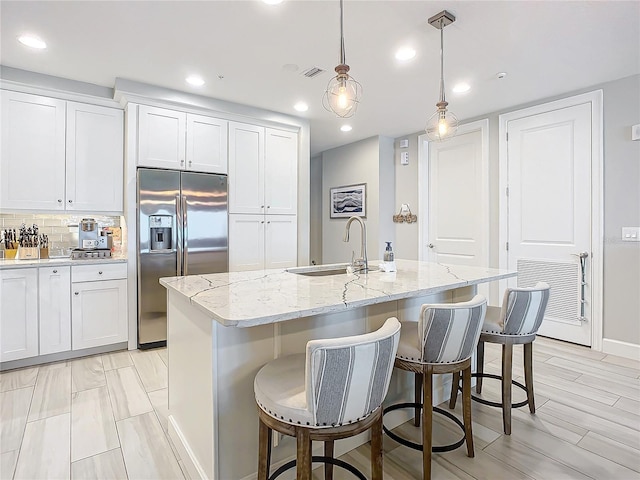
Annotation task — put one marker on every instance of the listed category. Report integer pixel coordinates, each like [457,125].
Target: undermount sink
[320,270]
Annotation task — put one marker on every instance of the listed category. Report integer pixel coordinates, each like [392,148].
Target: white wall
[368,161]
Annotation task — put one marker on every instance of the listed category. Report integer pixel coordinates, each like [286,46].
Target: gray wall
[368,161]
[315,213]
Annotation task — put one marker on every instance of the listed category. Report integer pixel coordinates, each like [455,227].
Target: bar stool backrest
[449,332]
[347,378]
[523,309]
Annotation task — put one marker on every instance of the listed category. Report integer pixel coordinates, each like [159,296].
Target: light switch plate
[635,132]
[631,234]
[404,158]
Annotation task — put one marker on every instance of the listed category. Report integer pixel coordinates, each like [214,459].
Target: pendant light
[443,124]
[343,92]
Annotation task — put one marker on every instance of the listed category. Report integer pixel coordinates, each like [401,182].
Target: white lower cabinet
[18,314]
[55,309]
[257,242]
[98,308]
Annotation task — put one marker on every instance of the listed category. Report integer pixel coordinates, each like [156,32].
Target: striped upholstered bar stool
[516,323]
[442,341]
[334,391]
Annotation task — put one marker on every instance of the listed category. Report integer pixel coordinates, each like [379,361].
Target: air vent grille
[312,72]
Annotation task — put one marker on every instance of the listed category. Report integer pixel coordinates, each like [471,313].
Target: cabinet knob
[182,161]
[190,162]
[268,206]
[59,200]
[70,201]
[262,221]
[55,271]
[261,206]
[77,293]
[269,221]
[99,273]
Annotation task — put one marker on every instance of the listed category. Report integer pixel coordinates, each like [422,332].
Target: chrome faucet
[359,264]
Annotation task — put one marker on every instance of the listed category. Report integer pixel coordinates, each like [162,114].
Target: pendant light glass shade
[343,92]
[443,124]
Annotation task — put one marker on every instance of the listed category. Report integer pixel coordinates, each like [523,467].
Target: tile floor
[105,417]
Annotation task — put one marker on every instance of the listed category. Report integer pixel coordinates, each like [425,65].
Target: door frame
[597,132]
[423,185]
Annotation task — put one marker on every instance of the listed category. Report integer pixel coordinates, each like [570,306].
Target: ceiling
[547,48]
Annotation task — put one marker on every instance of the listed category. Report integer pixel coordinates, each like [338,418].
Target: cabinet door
[281,172]
[18,313]
[98,313]
[246,168]
[95,158]
[55,309]
[206,144]
[246,242]
[161,137]
[281,241]
[32,153]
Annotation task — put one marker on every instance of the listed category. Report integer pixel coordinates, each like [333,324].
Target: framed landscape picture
[348,201]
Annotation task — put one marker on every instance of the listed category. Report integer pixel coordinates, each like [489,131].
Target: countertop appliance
[87,233]
[182,230]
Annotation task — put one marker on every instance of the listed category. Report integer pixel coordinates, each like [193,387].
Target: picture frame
[348,201]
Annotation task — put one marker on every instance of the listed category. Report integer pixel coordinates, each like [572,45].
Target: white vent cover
[564,280]
[312,72]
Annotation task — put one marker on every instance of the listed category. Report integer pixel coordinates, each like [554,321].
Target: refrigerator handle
[179,235]
[185,233]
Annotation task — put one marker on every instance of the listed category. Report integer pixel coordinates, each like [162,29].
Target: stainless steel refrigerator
[182,230]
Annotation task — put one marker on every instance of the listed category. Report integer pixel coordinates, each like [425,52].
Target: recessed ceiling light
[501,74]
[301,107]
[405,53]
[31,41]
[461,87]
[346,128]
[195,80]
[272,2]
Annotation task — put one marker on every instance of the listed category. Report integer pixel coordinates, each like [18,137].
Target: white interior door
[549,213]
[457,198]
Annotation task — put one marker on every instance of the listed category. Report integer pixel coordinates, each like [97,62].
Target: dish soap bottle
[389,263]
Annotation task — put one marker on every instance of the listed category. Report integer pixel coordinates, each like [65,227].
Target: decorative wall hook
[405,215]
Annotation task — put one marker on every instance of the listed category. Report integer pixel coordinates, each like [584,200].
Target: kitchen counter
[222,328]
[51,262]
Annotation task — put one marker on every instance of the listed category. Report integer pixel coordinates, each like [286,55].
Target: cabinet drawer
[102,271]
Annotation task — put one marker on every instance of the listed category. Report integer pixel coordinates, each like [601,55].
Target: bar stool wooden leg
[479,366]
[427,423]
[376,448]
[528,375]
[328,467]
[418,398]
[466,409]
[454,389]
[303,454]
[264,451]
[507,359]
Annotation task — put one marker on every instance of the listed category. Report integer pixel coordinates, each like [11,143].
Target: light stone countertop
[54,262]
[246,299]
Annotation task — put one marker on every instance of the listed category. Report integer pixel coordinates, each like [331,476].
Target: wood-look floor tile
[616,451]
[568,350]
[52,394]
[45,449]
[623,362]
[93,428]
[105,466]
[8,462]
[575,388]
[628,405]
[163,353]
[593,367]
[529,461]
[25,377]
[627,389]
[14,408]
[128,397]
[160,402]
[483,466]
[152,370]
[629,435]
[145,449]
[111,361]
[87,373]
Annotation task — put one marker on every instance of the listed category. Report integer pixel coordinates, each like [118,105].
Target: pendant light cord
[442,60]
[342,54]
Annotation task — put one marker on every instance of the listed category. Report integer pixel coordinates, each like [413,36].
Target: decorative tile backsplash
[61,229]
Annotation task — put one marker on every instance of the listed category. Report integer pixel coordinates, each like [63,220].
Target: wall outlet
[631,234]
[635,132]
[404,158]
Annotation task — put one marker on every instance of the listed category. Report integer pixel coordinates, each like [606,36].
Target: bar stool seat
[333,391]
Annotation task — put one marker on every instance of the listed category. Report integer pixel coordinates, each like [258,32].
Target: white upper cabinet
[281,172]
[33,152]
[263,166]
[181,141]
[39,174]
[95,166]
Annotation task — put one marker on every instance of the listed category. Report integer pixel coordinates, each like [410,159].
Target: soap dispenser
[389,264]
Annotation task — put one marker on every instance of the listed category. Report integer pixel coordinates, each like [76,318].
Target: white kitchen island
[222,328]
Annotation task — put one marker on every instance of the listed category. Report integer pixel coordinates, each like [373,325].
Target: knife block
[44,252]
[10,253]
[28,253]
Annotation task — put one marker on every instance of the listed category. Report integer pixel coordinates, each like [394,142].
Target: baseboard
[184,450]
[621,349]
